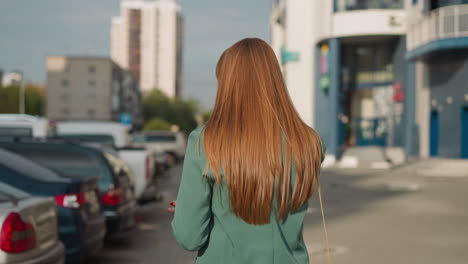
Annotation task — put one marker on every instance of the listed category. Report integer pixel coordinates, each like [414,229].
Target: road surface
[373,216]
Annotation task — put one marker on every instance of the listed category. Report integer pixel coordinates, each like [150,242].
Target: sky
[32,29]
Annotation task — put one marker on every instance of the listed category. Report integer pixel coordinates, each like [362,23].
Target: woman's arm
[191,223]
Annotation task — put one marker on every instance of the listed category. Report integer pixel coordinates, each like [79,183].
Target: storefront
[363,80]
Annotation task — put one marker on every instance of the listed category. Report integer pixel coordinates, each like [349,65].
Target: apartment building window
[441,3]
[65,111]
[91,99]
[65,83]
[92,69]
[91,112]
[91,83]
[64,97]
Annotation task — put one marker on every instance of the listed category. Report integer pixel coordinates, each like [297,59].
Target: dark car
[81,223]
[115,187]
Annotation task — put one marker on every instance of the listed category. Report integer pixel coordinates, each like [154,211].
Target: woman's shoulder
[196,132]
[194,141]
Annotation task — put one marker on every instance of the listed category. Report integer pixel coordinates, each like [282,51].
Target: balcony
[444,28]
[351,5]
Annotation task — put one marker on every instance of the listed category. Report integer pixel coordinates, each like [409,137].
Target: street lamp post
[21,95]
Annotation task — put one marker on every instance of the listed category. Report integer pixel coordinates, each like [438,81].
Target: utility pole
[21,95]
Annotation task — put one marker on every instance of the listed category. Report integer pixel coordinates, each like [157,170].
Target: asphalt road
[372,217]
[152,242]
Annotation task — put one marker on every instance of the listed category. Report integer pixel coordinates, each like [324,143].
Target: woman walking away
[248,174]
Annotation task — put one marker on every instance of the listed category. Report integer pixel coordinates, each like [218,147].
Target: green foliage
[34,97]
[175,111]
[157,124]
[206,116]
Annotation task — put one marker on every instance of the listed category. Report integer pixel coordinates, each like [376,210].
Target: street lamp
[21,95]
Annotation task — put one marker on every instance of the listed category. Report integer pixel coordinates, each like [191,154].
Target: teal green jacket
[203,221]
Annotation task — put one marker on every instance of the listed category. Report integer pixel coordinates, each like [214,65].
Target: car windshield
[154,138]
[16,131]
[68,161]
[103,139]
[7,192]
[14,161]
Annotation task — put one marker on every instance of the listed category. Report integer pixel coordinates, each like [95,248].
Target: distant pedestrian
[249,173]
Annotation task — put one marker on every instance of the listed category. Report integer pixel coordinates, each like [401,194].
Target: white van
[20,125]
[106,132]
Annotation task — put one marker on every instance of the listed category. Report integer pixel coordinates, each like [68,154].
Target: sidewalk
[391,216]
[436,167]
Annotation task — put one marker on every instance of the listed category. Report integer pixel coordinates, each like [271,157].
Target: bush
[157,124]
[172,110]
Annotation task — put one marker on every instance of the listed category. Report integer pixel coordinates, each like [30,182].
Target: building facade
[91,88]
[365,74]
[147,40]
[437,41]
[342,61]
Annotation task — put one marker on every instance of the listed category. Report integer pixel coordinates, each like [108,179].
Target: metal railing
[441,23]
[350,5]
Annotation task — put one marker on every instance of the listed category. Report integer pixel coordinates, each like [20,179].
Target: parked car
[28,229]
[142,164]
[20,125]
[172,143]
[112,133]
[81,224]
[116,192]
[116,135]
[119,203]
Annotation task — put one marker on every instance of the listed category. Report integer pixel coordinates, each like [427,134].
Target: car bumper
[55,255]
[83,239]
[120,224]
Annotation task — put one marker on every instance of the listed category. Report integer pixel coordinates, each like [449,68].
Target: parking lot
[373,217]
[152,241]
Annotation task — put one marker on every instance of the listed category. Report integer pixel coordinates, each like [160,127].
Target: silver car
[28,229]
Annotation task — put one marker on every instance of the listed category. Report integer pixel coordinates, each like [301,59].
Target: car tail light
[70,200]
[114,196]
[17,236]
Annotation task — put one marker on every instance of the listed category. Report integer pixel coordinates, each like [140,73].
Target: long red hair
[256,136]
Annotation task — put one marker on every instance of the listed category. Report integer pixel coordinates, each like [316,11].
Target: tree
[157,124]
[34,99]
[206,116]
[173,110]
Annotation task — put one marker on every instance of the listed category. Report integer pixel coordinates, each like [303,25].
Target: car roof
[20,117]
[27,167]
[50,142]
[157,133]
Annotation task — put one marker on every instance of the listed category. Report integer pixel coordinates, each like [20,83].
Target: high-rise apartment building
[147,40]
